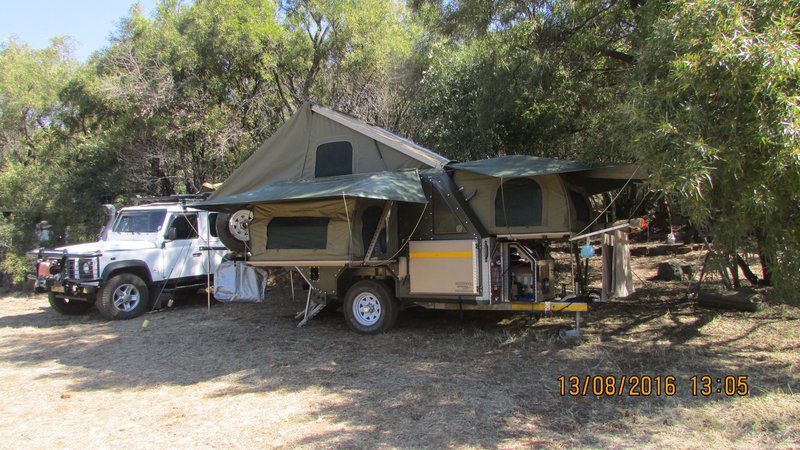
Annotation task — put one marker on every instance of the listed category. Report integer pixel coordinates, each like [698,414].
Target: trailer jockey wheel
[234,229]
[370,307]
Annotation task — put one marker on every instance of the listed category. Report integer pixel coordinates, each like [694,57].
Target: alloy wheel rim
[126,298]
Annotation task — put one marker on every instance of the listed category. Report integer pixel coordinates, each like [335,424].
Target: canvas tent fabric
[344,222]
[592,179]
[338,245]
[556,213]
[516,166]
[401,186]
[291,152]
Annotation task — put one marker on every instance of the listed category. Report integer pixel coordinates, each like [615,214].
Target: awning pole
[291,281]
[387,208]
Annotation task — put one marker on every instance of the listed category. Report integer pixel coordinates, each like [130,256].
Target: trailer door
[444,267]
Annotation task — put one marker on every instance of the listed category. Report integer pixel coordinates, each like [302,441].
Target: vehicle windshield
[140,221]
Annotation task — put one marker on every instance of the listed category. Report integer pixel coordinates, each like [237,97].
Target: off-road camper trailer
[378,222]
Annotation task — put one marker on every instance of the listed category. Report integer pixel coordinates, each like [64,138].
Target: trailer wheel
[233,229]
[123,297]
[370,307]
[68,307]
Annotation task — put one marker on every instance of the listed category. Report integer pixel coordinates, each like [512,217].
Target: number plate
[57,288]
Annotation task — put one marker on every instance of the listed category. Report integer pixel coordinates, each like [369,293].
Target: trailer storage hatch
[444,267]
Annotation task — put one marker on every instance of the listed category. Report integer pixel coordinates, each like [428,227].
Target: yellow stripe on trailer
[551,306]
[441,255]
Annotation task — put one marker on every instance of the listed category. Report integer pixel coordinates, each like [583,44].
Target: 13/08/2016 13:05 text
[652,385]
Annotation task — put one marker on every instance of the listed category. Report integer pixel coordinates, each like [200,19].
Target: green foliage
[523,78]
[705,93]
[47,172]
[716,117]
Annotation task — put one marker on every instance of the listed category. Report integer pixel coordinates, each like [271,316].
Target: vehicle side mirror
[172,234]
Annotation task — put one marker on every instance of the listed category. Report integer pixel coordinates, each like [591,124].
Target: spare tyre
[234,229]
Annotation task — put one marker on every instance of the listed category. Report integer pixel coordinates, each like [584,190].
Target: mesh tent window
[369,223]
[583,210]
[334,158]
[306,233]
[518,203]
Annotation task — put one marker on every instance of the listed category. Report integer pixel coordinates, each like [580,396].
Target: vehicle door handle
[197,254]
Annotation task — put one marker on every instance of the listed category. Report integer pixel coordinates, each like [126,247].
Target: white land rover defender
[144,251]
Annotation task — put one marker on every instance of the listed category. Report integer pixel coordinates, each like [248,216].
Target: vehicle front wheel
[66,306]
[370,307]
[124,296]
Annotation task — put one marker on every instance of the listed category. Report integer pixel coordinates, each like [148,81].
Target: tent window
[444,221]
[306,233]
[583,210]
[518,203]
[369,223]
[334,158]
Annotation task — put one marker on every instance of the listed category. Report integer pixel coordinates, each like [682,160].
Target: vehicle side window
[185,226]
[334,158]
[518,203]
[212,224]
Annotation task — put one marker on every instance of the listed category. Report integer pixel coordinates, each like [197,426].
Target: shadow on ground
[437,379]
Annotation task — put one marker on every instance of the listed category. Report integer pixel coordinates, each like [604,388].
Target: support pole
[387,208]
[291,282]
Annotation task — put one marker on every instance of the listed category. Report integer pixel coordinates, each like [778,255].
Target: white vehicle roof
[169,206]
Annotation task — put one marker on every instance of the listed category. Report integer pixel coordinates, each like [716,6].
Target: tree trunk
[734,268]
[766,270]
[748,273]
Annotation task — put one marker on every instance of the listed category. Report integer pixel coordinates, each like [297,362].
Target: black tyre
[66,306]
[124,296]
[233,229]
[370,307]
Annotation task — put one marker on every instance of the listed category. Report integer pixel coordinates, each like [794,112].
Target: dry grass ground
[244,376]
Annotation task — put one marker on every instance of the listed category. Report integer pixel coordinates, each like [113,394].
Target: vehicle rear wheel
[370,307]
[66,306]
[234,229]
[124,296]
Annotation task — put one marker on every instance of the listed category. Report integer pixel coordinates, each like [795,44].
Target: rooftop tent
[318,142]
[403,185]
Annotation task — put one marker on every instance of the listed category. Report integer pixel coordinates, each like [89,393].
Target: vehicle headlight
[87,268]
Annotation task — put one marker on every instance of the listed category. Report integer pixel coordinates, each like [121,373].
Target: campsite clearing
[244,376]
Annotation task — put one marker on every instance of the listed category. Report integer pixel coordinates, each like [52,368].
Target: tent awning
[594,178]
[517,166]
[401,186]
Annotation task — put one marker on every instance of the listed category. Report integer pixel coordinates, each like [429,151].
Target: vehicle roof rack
[177,198]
